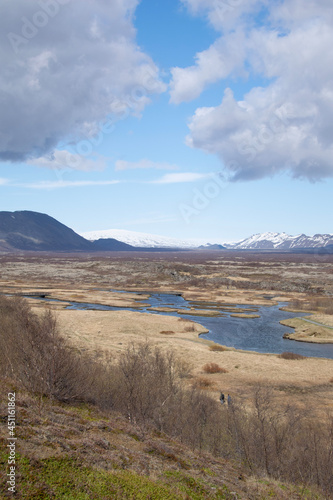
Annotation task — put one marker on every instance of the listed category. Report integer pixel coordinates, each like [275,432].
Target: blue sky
[187,118]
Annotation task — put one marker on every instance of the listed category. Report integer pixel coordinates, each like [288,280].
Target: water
[263,335]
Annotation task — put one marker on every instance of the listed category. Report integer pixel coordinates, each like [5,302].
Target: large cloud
[287,123]
[65,66]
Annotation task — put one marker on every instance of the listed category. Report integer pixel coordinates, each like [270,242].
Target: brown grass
[291,355]
[190,328]
[167,332]
[203,383]
[213,368]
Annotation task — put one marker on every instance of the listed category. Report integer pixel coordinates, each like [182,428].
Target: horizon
[186,119]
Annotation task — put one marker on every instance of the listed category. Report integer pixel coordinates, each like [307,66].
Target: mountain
[210,246]
[33,231]
[111,245]
[142,240]
[282,241]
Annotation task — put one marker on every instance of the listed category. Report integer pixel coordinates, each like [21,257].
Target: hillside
[80,452]
[33,231]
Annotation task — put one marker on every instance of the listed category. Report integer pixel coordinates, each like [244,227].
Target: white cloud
[181,177]
[286,124]
[65,70]
[3,181]
[63,159]
[225,15]
[143,164]
[65,184]
[222,59]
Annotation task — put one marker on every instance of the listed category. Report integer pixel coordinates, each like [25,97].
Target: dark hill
[111,245]
[33,231]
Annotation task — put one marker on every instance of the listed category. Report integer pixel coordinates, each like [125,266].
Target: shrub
[213,368]
[190,328]
[291,355]
[217,348]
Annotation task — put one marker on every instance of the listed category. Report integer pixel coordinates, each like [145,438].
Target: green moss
[68,479]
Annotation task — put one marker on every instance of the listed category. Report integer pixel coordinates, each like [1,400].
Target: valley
[213,283]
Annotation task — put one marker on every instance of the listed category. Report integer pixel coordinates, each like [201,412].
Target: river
[263,334]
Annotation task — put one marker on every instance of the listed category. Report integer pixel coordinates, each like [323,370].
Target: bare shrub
[34,354]
[284,442]
[217,348]
[146,380]
[213,368]
[291,355]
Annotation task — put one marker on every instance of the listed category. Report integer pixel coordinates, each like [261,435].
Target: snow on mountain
[261,241]
[142,240]
[282,241]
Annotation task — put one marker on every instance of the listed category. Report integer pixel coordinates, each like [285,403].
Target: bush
[190,328]
[213,368]
[291,355]
[217,348]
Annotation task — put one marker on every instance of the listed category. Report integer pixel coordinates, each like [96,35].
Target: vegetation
[213,368]
[148,387]
[313,304]
[217,348]
[291,355]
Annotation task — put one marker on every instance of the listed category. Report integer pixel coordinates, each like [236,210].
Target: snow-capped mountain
[262,241]
[142,240]
[281,241]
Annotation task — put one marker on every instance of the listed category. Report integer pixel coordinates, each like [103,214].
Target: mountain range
[263,241]
[282,241]
[33,231]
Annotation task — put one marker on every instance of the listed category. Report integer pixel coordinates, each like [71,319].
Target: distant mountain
[282,241]
[142,240]
[35,231]
[111,245]
[209,246]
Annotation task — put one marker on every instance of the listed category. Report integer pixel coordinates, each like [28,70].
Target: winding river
[263,334]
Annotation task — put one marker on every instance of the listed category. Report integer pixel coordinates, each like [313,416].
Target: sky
[193,119]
